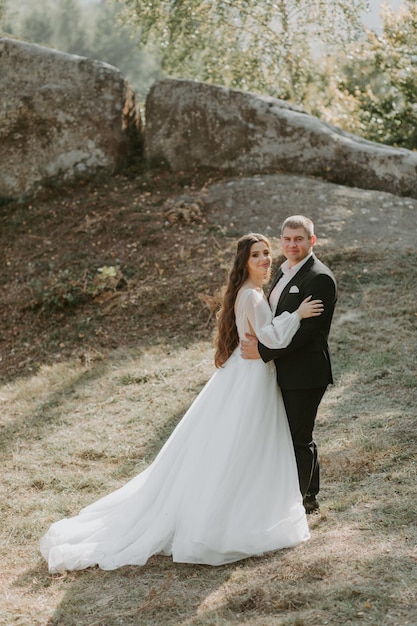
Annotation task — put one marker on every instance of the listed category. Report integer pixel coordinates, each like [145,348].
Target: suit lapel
[297,279]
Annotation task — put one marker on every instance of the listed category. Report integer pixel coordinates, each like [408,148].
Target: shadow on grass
[43,419]
[159,593]
[376,590]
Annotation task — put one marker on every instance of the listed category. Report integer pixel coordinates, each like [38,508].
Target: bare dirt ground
[162,240]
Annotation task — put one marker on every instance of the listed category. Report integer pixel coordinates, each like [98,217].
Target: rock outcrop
[61,116]
[194,125]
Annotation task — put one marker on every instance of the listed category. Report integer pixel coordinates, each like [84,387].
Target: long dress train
[223,487]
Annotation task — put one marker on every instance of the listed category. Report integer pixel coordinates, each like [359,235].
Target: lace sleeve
[271,332]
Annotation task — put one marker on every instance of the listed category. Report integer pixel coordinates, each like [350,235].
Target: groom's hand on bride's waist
[249,347]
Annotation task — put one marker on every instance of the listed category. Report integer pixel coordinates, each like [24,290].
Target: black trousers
[301,406]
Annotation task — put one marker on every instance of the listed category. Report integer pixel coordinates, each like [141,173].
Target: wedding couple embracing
[240,471]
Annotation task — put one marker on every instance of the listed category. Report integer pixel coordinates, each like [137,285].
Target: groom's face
[296,244]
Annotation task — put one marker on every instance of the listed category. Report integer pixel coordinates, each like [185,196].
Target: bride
[225,485]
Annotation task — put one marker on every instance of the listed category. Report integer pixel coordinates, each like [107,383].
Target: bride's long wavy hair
[227,338]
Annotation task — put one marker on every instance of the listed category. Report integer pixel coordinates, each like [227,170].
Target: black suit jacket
[305,363]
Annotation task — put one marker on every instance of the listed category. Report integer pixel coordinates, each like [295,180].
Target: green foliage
[261,45]
[69,29]
[373,93]
[88,29]
[388,110]
[306,51]
[61,290]
[66,289]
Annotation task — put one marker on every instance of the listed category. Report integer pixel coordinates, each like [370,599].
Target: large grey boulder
[61,116]
[194,125]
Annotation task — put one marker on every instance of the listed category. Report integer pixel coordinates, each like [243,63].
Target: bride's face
[259,262]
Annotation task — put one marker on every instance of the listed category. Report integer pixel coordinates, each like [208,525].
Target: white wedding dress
[223,487]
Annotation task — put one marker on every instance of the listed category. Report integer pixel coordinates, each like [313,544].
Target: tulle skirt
[223,487]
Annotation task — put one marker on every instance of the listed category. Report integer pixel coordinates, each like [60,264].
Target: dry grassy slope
[97,367]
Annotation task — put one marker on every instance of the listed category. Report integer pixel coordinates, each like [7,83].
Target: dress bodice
[254,316]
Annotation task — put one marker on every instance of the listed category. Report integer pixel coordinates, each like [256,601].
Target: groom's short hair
[299,221]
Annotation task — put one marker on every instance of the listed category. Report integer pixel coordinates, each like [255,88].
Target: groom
[303,368]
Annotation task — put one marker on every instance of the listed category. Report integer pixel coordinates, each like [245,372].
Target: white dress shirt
[288,274]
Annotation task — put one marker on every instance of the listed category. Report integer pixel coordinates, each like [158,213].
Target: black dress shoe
[310,504]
